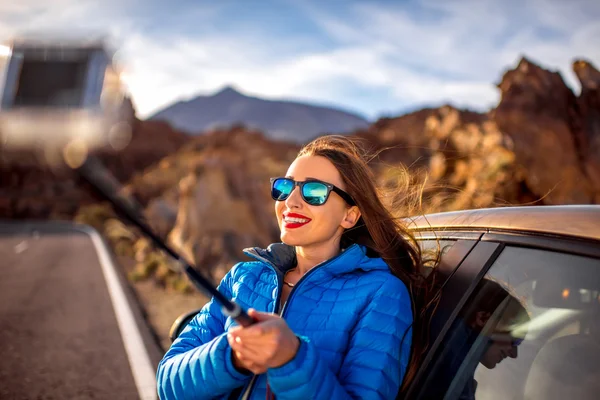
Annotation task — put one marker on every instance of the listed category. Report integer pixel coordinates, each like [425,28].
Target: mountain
[279,119]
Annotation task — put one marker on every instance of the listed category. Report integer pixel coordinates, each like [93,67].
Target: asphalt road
[69,326]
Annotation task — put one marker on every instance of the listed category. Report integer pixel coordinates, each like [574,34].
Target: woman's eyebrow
[308,178]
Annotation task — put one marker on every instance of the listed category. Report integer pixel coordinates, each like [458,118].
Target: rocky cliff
[555,133]
[211,199]
[535,147]
[209,194]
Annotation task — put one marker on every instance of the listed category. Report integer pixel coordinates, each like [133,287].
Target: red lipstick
[293,220]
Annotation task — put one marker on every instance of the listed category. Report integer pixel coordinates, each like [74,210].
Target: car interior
[568,363]
[560,356]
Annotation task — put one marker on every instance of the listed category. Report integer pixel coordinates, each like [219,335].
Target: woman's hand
[269,343]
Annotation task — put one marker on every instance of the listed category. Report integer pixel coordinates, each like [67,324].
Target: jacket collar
[283,257]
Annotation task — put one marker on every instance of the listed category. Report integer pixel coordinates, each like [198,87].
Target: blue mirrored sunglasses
[313,192]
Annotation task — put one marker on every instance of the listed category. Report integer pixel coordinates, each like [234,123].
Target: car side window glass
[432,250]
[530,330]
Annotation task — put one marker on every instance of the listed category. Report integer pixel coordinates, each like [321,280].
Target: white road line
[139,360]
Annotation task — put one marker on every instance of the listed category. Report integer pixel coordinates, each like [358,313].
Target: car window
[530,330]
[433,249]
[428,245]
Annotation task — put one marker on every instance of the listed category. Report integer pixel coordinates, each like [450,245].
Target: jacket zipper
[250,387]
[306,275]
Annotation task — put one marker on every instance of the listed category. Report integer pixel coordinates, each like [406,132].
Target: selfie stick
[76,120]
[92,172]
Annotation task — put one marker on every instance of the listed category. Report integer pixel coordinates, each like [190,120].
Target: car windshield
[64,90]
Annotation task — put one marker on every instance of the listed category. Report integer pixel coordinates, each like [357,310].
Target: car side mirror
[180,323]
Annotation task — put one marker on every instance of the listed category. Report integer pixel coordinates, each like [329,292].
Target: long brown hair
[382,231]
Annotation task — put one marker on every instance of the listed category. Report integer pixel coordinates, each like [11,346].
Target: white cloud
[162,73]
[450,51]
[460,54]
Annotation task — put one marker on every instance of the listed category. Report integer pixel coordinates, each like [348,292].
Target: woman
[332,300]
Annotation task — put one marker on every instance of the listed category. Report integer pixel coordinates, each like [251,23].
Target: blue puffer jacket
[353,318]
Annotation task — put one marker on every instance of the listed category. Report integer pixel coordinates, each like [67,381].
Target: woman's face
[498,351]
[314,225]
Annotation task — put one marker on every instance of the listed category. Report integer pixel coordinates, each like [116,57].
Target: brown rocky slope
[209,195]
[555,133]
[535,147]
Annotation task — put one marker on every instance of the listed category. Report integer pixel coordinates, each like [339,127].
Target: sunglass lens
[314,193]
[281,189]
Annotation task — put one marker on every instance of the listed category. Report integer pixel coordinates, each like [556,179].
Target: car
[60,94]
[546,261]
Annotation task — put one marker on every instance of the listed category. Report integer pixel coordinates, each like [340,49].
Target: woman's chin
[290,240]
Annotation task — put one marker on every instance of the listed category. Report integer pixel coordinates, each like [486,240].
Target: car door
[523,323]
[459,267]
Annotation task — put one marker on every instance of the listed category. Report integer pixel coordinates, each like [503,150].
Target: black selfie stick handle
[94,174]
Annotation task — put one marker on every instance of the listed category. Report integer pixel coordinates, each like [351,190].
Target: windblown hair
[382,232]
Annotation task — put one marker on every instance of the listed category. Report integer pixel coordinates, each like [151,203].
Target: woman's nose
[294,200]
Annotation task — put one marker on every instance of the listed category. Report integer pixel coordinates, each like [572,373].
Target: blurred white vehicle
[62,96]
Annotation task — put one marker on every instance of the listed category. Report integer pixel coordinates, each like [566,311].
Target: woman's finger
[240,357]
[254,352]
[233,341]
[257,340]
[237,342]
[269,340]
[255,330]
[250,364]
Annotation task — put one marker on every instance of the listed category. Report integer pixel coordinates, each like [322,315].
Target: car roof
[581,221]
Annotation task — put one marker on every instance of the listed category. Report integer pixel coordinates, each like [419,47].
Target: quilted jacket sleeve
[374,364]
[198,364]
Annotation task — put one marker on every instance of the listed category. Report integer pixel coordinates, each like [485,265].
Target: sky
[375,58]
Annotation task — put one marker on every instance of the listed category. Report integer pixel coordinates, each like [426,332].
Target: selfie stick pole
[106,186]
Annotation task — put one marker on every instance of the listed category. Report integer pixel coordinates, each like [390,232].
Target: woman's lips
[293,225]
[293,221]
